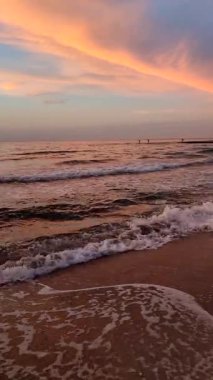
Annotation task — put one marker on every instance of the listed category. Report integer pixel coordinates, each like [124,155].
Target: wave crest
[98,172]
[139,234]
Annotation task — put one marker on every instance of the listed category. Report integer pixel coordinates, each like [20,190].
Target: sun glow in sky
[93,69]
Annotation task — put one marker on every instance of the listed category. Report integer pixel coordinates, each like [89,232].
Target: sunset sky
[93,69]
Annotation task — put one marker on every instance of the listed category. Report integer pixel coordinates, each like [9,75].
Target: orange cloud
[8,86]
[16,83]
[85,33]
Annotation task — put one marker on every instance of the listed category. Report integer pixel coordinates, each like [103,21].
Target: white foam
[163,329]
[174,222]
[99,172]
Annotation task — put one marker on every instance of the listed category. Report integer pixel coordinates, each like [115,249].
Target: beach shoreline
[79,312]
[183,264]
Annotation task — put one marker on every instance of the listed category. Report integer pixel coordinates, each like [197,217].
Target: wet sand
[184,264]
[99,321]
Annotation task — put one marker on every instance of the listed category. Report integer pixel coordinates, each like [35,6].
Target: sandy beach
[102,321]
[106,201]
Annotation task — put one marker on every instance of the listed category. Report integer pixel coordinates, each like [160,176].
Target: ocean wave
[206,150]
[139,234]
[17,159]
[181,155]
[83,162]
[46,152]
[79,211]
[57,211]
[99,172]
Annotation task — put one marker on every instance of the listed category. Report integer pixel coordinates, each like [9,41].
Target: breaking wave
[98,172]
[139,234]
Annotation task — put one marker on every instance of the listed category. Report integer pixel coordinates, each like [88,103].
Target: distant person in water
[139,141]
[148,141]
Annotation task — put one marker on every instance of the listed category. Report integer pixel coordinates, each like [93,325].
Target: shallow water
[124,332]
[52,183]
[90,173]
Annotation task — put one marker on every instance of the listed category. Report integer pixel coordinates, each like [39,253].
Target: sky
[106,69]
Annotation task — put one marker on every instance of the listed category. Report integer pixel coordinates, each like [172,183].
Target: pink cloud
[126,45]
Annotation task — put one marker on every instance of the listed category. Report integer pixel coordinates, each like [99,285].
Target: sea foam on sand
[132,331]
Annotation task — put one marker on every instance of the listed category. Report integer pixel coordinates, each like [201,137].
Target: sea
[66,203]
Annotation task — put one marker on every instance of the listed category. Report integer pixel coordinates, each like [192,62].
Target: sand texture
[124,317]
